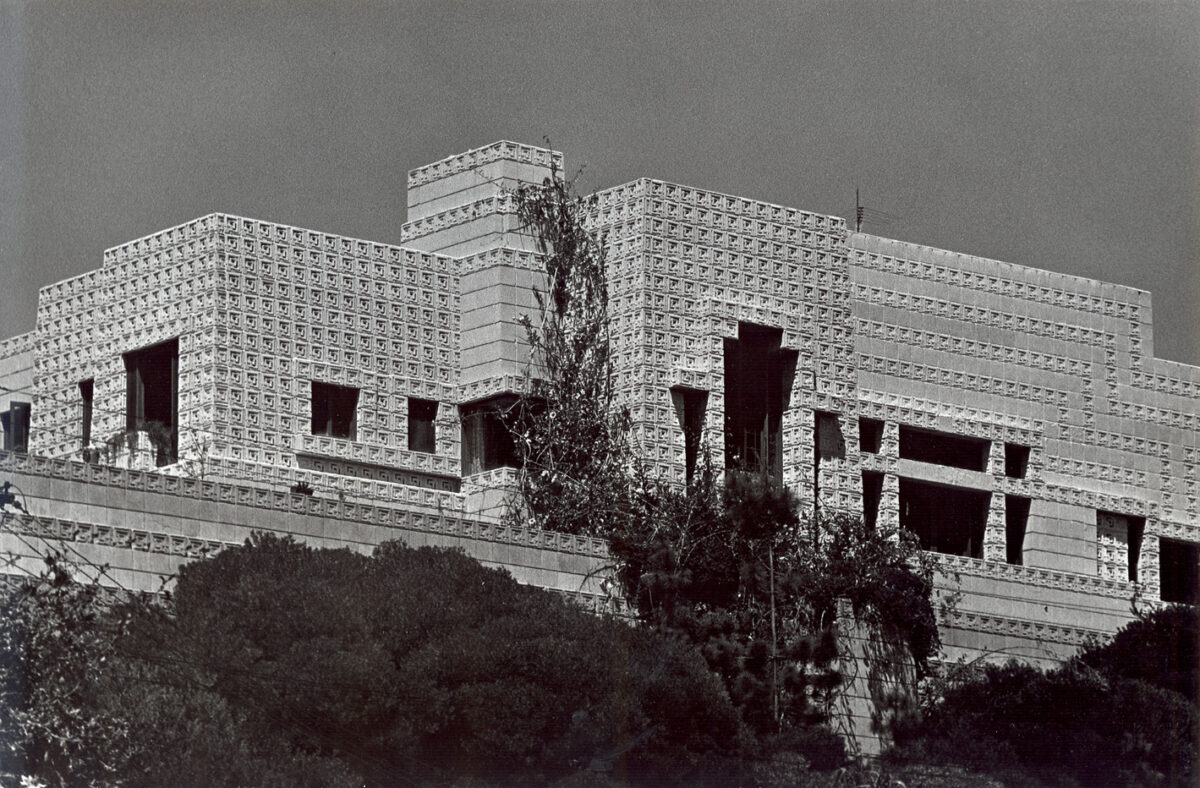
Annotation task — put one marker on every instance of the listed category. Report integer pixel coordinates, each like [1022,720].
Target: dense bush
[1161,648]
[1112,716]
[277,664]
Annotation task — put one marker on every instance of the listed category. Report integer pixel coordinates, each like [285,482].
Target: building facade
[1015,419]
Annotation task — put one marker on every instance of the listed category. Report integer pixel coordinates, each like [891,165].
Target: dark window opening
[872,482]
[152,396]
[86,388]
[334,411]
[422,435]
[944,449]
[827,436]
[945,519]
[1016,519]
[828,444]
[1016,460]
[487,442]
[758,384]
[15,421]
[870,435]
[690,405]
[1179,571]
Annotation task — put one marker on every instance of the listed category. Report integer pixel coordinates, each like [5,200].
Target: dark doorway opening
[1179,571]
[422,434]
[152,396]
[870,435]
[15,421]
[758,384]
[334,411]
[1016,460]
[86,392]
[872,482]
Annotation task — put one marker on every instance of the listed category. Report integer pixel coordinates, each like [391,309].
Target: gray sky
[1060,135]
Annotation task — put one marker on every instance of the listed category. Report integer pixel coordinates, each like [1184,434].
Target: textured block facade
[1016,419]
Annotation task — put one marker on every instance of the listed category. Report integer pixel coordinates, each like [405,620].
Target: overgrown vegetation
[277,664]
[726,565]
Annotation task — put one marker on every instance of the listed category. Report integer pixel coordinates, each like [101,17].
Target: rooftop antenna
[858,211]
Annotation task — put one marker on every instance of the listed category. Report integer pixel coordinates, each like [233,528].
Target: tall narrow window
[334,410]
[758,383]
[872,482]
[689,409]
[152,396]
[828,444]
[85,418]
[1118,545]
[15,421]
[486,440]
[1016,519]
[422,435]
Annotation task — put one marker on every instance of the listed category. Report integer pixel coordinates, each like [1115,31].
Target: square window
[1016,460]
[945,519]
[487,442]
[870,435]
[334,410]
[422,434]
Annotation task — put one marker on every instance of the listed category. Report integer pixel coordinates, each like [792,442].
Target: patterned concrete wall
[261,311]
[685,267]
